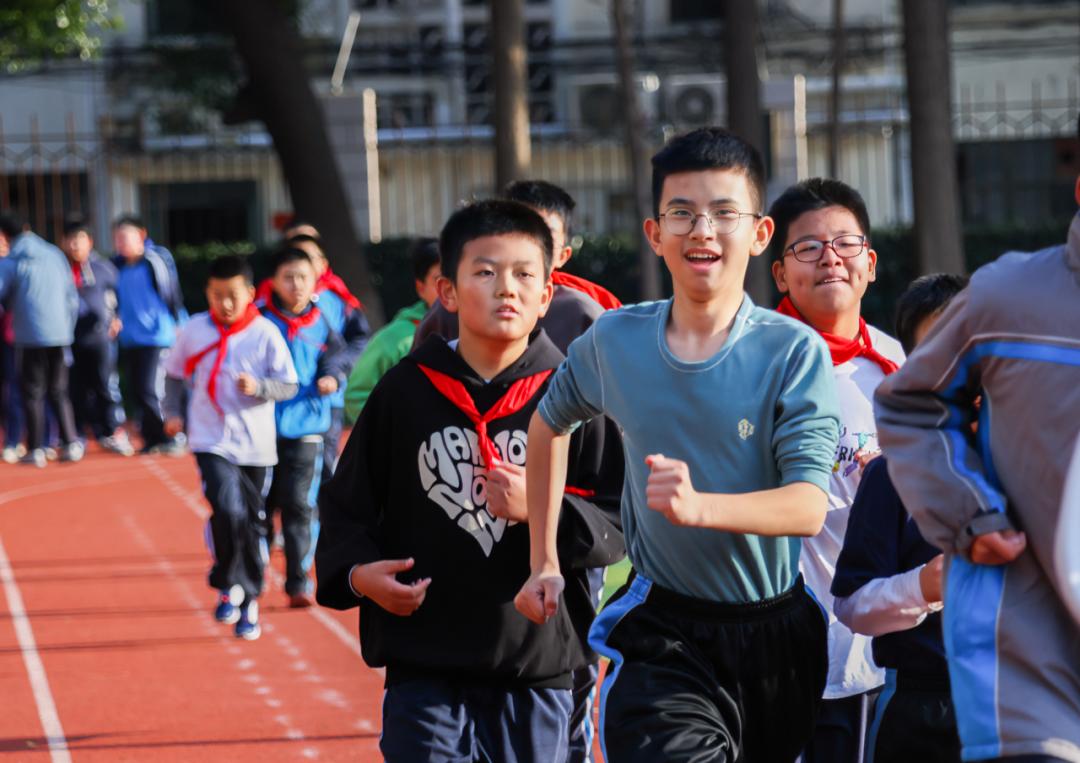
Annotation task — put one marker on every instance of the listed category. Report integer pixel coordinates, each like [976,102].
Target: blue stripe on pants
[601,630]
[879,713]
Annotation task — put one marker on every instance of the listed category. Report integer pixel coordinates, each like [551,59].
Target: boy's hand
[930,579]
[247,384]
[670,491]
[863,457]
[378,582]
[506,492]
[173,426]
[538,599]
[115,326]
[326,385]
[999,547]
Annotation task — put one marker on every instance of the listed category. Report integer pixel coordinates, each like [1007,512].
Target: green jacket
[389,345]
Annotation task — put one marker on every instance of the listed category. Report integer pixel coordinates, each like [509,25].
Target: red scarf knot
[293,323]
[607,300]
[516,398]
[330,281]
[222,347]
[841,348]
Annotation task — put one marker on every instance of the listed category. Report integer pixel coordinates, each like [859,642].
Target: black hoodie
[405,487]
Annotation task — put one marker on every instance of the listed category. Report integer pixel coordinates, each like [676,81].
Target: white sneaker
[73,451]
[12,453]
[118,443]
[36,458]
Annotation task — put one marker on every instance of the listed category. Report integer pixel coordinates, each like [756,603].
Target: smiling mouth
[834,279]
[701,255]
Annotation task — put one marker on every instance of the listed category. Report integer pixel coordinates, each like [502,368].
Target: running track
[108,650]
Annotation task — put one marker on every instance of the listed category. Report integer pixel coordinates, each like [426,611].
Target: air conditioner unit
[593,100]
[694,100]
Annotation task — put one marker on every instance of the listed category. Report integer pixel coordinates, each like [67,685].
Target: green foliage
[612,261]
[35,30]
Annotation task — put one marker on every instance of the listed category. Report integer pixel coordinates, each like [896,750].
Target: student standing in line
[151,310]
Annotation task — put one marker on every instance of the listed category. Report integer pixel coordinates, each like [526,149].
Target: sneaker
[300,600]
[73,451]
[118,443]
[50,453]
[175,447]
[247,627]
[228,609]
[13,453]
[36,458]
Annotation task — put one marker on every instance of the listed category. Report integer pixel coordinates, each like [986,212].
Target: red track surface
[108,560]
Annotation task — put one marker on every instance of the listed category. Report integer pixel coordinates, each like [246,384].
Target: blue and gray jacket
[317,350]
[37,288]
[97,300]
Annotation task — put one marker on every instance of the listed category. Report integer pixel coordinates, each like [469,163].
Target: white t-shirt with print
[851,665]
[244,433]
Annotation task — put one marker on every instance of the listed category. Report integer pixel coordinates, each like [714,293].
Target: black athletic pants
[94,395]
[693,680]
[44,375]
[236,536]
[293,491]
[146,382]
[913,721]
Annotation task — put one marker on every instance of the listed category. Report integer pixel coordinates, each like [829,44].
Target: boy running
[729,421]
[238,365]
[823,264]
[467,678]
[316,351]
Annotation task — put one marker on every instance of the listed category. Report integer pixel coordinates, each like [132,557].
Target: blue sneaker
[247,627]
[228,609]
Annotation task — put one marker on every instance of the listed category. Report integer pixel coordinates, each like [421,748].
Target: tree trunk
[285,102]
[938,238]
[744,115]
[839,51]
[513,153]
[622,23]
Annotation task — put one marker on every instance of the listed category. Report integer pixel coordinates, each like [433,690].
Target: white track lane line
[35,669]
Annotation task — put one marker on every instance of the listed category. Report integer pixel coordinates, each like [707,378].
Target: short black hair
[230,266]
[709,148]
[11,223]
[129,219]
[74,224]
[925,296]
[288,255]
[423,254]
[492,217]
[540,194]
[303,238]
[811,195]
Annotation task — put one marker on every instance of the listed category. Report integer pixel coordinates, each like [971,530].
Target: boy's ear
[562,257]
[545,298]
[763,233]
[652,233]
[447,294]
[779,276]
[871,272]
[251,292]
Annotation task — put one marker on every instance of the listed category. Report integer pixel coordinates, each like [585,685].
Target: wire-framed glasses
[680,221]
[811,250]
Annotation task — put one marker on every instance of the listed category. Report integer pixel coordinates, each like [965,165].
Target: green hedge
[613,262]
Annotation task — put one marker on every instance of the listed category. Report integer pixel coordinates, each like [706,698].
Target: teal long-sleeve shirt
[760,414]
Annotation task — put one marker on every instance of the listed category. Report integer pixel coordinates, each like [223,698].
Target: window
[199,212]
[169,18]
[1016,181]
[683,11]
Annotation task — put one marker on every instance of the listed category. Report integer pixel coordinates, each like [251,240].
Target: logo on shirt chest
[452,475]
[746,429]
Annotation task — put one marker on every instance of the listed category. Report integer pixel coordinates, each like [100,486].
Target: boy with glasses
[729,421]
[823,266]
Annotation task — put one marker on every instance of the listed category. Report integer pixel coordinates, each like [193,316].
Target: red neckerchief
[293,323]
[222,347]
[842,349]
[76,271]
[607,300]
[330,281]
[516,398]
[264,292]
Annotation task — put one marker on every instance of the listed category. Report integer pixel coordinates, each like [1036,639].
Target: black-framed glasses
[811,250]
[679,222]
